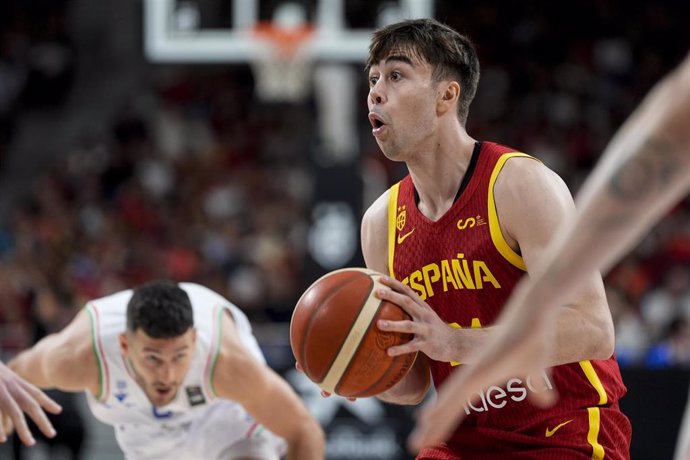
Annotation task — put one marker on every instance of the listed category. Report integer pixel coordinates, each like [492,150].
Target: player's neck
[437,174]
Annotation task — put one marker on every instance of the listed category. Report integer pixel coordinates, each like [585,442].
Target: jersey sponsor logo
[194,395]
[458,273]
[495,397]
[470,222]
[552,431]
[403,237]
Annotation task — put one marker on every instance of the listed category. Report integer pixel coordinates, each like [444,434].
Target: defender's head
[160,339]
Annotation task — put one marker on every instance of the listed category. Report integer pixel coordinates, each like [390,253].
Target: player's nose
[376,95]
[165,373]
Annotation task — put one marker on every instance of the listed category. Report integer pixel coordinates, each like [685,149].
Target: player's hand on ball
[517,350]
[432,336]
[324,393]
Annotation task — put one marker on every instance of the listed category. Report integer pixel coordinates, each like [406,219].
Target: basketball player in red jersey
[643,172]
[456,235]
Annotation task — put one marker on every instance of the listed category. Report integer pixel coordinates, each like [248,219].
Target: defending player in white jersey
[176,371]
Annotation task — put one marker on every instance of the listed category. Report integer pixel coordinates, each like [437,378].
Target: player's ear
[124,346]
[449,96]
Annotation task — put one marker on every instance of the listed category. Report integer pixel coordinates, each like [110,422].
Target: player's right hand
[17,397]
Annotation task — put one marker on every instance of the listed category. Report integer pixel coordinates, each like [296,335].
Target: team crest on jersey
[401,219]
[195,396]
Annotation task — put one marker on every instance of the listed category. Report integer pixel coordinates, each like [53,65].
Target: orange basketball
[335,339]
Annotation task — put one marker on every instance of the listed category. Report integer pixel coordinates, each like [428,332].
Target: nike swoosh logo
[551,432]
[402,238]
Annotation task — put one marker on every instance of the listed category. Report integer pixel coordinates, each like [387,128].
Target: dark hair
[451,54]
[161,309]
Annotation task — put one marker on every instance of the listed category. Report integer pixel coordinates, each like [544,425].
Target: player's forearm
[412,389]
[29,365]
[644,171]
[52,363]
[309,444]
[579,337]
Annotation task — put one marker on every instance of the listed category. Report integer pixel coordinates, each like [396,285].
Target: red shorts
[596,433]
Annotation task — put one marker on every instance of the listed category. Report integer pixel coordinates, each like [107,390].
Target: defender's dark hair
[451,54]
[161,309]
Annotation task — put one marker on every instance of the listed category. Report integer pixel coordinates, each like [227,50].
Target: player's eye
[373,80]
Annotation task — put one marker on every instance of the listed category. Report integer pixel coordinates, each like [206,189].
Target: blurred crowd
[198,180]
[195,192]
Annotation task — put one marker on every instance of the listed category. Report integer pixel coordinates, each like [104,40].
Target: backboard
[173,32]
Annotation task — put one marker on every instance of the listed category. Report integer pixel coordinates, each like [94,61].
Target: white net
[282,78]
[282,74]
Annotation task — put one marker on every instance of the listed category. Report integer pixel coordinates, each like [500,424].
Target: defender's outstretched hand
[18,396]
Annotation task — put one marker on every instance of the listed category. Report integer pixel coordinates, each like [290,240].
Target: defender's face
[160,365]
[401,102]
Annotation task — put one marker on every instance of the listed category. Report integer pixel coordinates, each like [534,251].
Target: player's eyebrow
[155,350]
[399,58]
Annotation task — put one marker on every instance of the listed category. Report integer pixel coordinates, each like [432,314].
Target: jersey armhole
[497,237]
[97,347]
[214,351]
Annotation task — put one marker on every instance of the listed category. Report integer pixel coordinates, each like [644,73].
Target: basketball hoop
[282,73]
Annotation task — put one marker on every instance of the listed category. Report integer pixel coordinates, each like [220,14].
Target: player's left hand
[324,393]
[432,336]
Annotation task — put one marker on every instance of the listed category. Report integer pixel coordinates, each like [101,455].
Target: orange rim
[286,41]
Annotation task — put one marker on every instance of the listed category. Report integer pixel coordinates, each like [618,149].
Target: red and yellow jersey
[465,270]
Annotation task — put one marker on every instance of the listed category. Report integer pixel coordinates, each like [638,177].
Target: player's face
[160,365]
[402,104]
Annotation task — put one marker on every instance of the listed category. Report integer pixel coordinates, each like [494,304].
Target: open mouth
[377,123]
[162,391]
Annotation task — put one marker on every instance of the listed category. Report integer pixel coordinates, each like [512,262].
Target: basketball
[335,339]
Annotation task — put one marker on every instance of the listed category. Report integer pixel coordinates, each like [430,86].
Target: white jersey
[196,424]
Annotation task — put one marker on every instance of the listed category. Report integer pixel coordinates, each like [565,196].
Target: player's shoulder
[107,315]
[374,232]
[202,296]
[523,179]
[377,212]
[73,344]
[119,298]
[519,167]
[380,204]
